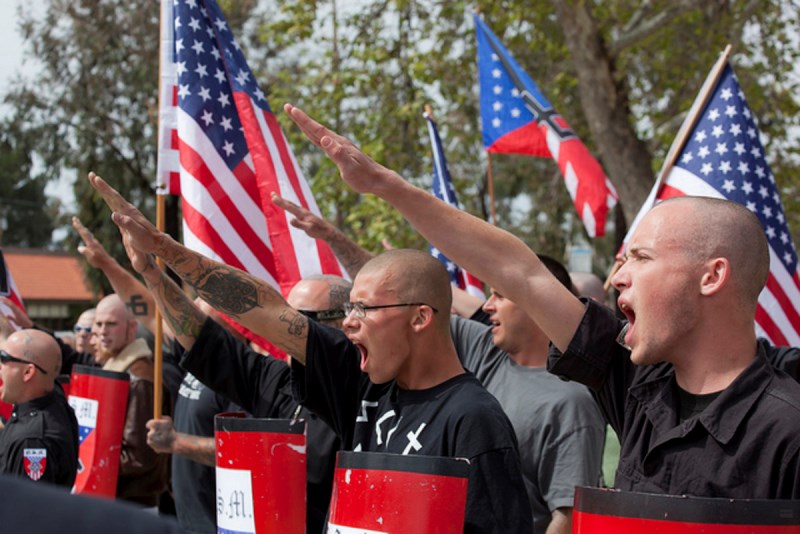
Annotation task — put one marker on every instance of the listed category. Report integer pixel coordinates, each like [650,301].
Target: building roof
[47,275]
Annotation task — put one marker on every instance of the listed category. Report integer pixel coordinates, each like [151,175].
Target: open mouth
[364,356]
[625,335]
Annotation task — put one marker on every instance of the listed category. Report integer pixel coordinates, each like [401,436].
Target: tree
[621,72]
[26,214]
[93,106]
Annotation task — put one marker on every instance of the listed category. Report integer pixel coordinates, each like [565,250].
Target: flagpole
[158,352]
[492,213]
[681,139]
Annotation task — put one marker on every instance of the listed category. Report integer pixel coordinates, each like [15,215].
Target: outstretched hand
[314,226]
[141,234]
[91,249]
[358,170]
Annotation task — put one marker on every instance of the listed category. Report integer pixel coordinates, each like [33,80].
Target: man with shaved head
[697,406]
[223,370]
[40,440]
[143,473]
[392,382]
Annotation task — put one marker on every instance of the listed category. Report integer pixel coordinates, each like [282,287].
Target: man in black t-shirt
[392,382]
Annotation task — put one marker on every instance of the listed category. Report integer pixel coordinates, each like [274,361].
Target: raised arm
[250,300]
[127,286]
[350,253]
[492,254]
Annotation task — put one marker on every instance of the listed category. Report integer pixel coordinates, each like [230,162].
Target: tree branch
[637,29]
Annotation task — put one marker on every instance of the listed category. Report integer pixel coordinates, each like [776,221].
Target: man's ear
[422,318]
[716,275]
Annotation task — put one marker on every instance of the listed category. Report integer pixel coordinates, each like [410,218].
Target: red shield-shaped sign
[261,475]
[35,462]
[100,401]
[598,511]
[378,493]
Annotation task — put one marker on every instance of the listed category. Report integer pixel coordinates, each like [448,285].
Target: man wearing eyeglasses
[40,439]
[392,382]
[83,332]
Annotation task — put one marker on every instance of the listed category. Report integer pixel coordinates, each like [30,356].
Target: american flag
[9,290]
[518,119]
[724,158]
[222,150]
[443,189]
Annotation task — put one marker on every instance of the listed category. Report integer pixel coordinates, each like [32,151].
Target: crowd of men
[522,385]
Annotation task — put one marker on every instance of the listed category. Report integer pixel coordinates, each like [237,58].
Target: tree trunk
[604,100]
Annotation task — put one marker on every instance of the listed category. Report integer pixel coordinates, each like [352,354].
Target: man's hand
[91,249]
[17,317]
[143,235]
[161,435]
[359,171]
[314,226]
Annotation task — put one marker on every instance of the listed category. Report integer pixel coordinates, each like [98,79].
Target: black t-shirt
[744,445]
[260,385]
[457,418]
[194,484]
[40,440]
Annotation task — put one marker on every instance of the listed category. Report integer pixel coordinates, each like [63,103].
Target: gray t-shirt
[558,424]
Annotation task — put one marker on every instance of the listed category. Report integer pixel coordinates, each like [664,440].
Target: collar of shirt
[722,417]
[30,407]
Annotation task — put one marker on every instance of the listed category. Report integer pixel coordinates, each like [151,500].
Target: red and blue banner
[518,119]
[443,189]
[100,401]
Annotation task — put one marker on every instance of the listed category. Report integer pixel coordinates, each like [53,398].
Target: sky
[13,64]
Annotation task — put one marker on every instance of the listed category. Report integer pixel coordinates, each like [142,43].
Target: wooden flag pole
[682,138]
[492,212]
[158,352]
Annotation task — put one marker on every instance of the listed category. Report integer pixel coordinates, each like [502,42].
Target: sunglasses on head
[324,315]
[7,358]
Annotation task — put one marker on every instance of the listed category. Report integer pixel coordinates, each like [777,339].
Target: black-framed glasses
[7,358]
[361,309]
[324,315]
[78,329]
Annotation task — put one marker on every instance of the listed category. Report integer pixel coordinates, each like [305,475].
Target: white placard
[235,501]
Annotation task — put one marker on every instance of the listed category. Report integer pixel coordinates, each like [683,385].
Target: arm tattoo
[297,324]
[225,288]
[228,290]
[184,318]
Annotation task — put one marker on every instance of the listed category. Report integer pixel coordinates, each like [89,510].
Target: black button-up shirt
[45,424]
[745,444]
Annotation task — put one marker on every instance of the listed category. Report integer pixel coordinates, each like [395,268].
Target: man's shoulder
[784,392]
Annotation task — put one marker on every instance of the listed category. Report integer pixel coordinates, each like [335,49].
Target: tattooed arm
[249,300]
[350,253]
[163,438]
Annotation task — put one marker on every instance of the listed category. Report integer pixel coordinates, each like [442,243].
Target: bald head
[716,228]
[414,276]
[114,327]
[23,382]
[114,304]
[321,293]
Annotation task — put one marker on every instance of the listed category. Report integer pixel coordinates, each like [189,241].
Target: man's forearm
[185,319]
[350,253]
[249,300]
[197,448]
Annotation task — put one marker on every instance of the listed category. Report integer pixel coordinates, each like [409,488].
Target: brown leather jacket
[143,473]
